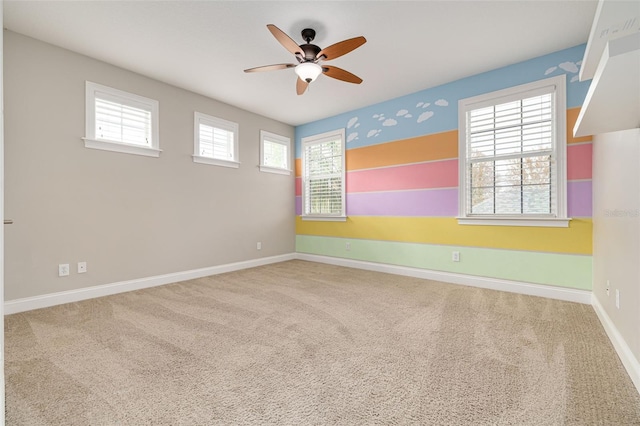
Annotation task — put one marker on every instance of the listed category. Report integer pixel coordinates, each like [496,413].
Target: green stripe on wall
[562,270]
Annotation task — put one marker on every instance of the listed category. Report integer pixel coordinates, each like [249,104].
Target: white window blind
[215,141]
[512,153]
[323,175]
[122,123]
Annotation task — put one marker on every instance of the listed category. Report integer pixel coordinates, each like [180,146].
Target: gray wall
[616,230]
[127,216]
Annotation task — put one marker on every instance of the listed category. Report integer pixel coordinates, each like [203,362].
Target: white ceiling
[204,46]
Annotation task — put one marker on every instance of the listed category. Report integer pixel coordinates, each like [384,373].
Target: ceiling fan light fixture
[308,71]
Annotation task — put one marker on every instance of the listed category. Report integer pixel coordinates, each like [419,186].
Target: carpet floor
[300,343]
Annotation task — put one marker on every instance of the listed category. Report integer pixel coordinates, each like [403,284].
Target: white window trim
[559,154]
[200,118]
[342,217]
[90,140]
[283,140]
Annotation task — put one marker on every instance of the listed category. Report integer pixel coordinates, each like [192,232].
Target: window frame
[558,156]
[279,139]
[220,123]
[92,91]
[318,139]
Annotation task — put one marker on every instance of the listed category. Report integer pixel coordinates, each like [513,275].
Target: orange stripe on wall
[572,116]
[437,146]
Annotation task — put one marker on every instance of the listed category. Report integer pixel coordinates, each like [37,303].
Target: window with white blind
[120,121]
[215,141]
[275,151]
[323,176]
[512,152]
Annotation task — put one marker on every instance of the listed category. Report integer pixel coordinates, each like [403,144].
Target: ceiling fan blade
[285,40]
[270,67]
[301,86]
[341,48]
[340,74]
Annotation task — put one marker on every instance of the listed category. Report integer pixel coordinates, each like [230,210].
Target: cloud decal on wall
[352,136]
[425,116]
[374,132]
[352,122]
[402,112]
[389,122]
[442,102]
[569,67]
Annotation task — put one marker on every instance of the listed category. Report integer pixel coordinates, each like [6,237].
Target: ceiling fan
[310,56]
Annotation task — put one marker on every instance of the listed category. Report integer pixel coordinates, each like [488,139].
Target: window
[215,141]
[512,156]
[120,121]
[323,177]
[274,153]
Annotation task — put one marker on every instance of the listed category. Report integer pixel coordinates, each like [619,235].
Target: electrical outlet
[347,246]
[82,267]
[617,298]
[608,285]
[63,269]
[455,256]
[259,246]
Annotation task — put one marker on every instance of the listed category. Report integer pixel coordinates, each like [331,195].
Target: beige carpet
[299,343]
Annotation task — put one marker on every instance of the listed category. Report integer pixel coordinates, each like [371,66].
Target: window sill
[325,218]
[275,170]
[515,221]
[122,147]
[216,162]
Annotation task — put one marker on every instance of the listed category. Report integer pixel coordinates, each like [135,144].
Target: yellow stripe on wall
[576,239]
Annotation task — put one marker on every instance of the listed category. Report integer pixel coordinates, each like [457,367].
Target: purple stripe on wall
[442,202]
[579,199]
[435,202]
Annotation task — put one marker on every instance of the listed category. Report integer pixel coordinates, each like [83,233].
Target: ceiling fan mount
[308,34]
[309,57]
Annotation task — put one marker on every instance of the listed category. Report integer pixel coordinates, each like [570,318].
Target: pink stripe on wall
[436,174]
[442,174]
[579,161]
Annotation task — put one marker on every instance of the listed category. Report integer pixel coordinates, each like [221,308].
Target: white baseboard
[52,299]
[629,361]
[572,295]
[560,293]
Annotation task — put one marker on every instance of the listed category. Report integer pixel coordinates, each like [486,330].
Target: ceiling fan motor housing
[310,51]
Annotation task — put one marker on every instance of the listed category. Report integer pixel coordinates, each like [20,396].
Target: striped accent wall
[402,192]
